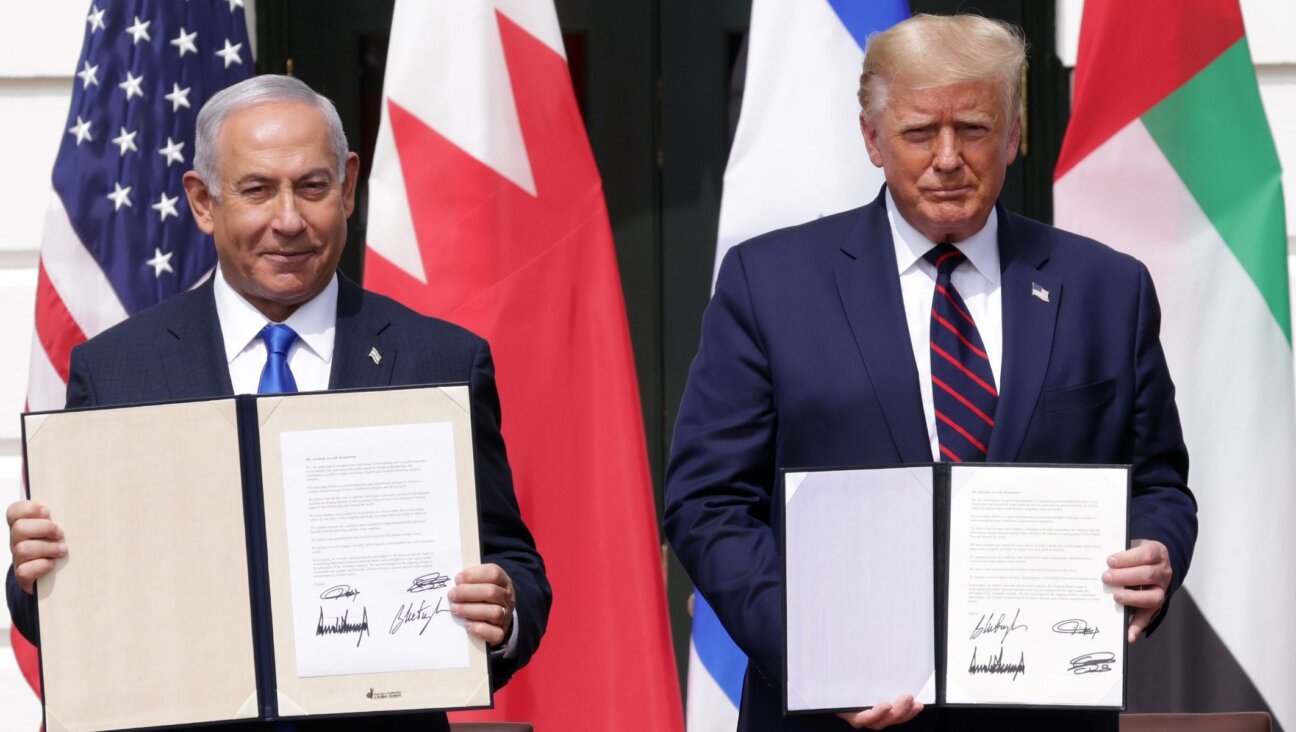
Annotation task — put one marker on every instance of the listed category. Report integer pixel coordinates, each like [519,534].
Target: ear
[352,168]
[200,201]
[871,140]
[1014,140]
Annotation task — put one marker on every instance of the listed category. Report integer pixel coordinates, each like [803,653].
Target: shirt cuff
[509,649]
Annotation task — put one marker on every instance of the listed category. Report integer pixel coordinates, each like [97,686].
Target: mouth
[944,193]
[289,257]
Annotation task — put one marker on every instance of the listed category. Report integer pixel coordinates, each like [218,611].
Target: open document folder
[257,558]
[958,584]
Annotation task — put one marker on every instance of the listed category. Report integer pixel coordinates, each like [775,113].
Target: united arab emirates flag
[1168,157]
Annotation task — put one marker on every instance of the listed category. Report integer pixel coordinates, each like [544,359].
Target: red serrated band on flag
[76,276]
[1113,83]
[56,329]
[966,435]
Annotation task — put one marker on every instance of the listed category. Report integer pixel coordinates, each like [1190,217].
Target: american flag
[118,233]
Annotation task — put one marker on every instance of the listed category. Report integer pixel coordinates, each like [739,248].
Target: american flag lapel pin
[377,357]
[1039,292]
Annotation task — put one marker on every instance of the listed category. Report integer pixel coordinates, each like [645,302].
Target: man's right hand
[884,715]
[34,541]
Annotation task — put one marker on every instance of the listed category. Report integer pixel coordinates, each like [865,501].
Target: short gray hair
[930,51]
[263,89]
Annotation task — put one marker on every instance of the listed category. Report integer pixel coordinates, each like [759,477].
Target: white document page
[1030,621]
[860,604]
[373,534]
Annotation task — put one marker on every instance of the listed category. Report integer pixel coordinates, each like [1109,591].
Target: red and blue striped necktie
[963,385]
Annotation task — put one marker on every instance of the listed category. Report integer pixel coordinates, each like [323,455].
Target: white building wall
[39,45]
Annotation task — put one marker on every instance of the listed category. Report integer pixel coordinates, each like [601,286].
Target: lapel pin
[1036,291]
[377,357]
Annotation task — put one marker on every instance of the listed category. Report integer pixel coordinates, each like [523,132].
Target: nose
[947,157]
[288,220]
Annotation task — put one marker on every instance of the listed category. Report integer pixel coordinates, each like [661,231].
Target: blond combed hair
[933,51]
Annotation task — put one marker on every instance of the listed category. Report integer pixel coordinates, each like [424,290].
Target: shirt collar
[981,249]
[241,322]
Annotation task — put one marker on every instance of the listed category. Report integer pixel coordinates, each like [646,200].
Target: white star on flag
[160,262]
[139,31]
[126,141]
[230,53]
[120,196]
[166,207]
[87,74]
[132,85]
[172,151]
[81,129]
[95,18]
[178,97]
[185,42]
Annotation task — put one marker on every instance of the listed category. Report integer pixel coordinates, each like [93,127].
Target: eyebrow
[262,178]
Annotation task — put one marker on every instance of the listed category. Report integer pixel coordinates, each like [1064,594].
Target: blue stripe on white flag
[862,17]
[752,192]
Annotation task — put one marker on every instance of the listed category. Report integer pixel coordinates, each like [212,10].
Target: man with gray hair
[931,324]
[274,183]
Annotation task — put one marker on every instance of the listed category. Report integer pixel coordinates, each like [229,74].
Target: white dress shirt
[977,282]
[311,355]
[310,358]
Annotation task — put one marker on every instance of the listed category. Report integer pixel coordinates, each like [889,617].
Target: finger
[483,612]
[1139,622]
[34,528]
[1151,597]
[914,711]
[867,718]
[28,572]
[492,634]
[1146,574]
[25,509]
[1142,551]
[32,549]
[484,573]
[480,592]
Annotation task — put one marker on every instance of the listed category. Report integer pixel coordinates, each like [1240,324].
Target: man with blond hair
[931,324]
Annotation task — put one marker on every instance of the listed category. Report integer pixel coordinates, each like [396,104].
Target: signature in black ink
[1074,626]
[408,614]
[341,625]
[429,581]
[989,624]
[1092,663]
[995,665]
[340,592]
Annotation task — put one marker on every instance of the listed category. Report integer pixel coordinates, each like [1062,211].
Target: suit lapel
[362,354]
[870,293]
[1030,299]
[195,365]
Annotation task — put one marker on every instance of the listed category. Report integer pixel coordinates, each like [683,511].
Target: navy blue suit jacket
[805,360]
[174,351]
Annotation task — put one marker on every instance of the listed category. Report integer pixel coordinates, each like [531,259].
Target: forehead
[972,98]
[275,137]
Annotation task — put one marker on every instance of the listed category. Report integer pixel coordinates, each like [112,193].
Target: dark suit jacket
[174,351]
[805,360]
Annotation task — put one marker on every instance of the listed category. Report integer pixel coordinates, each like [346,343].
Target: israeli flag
[798,154]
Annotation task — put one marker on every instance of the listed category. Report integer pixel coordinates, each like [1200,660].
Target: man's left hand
[1141,576]
[483,596]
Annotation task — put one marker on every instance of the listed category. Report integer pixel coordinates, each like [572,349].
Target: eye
[918,134]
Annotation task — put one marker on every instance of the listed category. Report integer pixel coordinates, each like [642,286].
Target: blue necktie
[963,385]
[275,377]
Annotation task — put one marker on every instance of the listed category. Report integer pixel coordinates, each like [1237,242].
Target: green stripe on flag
[1214,132]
